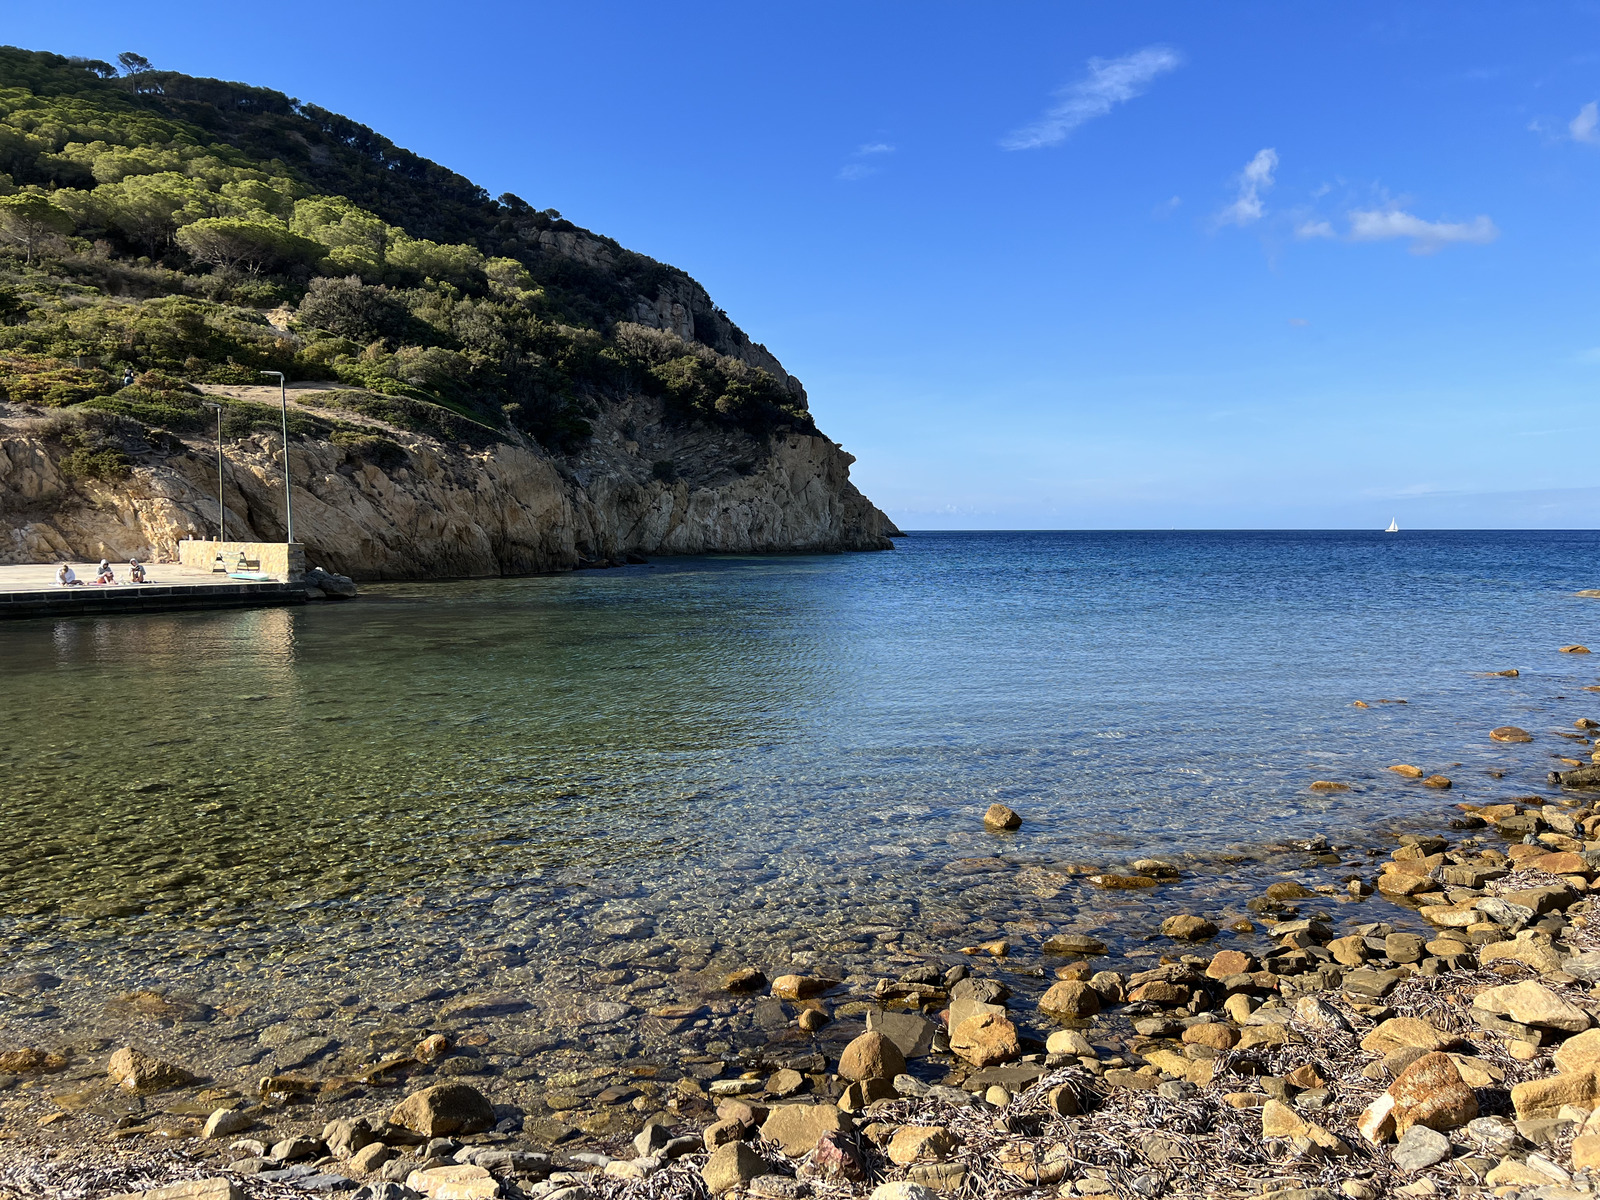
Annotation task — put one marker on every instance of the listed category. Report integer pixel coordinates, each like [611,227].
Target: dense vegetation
[189,229]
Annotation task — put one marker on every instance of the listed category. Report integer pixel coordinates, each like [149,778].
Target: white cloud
[1585,127]
[864,164]
[1378,225]
[1314,229]
[1110,82]
[1253,180]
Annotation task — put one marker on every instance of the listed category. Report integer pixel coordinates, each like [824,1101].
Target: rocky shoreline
[1343,1056]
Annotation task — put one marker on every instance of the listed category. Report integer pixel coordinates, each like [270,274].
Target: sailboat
[1394,526]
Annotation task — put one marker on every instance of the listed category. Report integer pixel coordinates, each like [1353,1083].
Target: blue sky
[1088,265]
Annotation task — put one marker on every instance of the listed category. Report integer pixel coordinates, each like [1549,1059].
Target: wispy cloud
[866,160]
[1585,127]
[1110,82]
[1314,229]
[1426,237]
[1253,180]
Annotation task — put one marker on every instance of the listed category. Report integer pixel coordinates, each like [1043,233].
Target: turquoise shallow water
[658,770]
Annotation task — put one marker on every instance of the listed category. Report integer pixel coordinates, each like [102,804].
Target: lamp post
[222,515]
[288,508]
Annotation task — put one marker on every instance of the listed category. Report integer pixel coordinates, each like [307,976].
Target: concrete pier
[32,591]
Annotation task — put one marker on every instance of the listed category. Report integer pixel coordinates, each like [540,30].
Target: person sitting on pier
[135,571]
[67,577]
[104,574]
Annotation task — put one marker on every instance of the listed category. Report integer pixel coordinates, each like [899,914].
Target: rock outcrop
[642,486]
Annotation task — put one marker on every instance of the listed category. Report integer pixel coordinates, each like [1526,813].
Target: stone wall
[284,561]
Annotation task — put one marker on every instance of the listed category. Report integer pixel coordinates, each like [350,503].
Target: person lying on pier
[135,571]
[67,577]
[104,575]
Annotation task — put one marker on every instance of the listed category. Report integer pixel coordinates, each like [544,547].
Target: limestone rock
[986,1040]
[371,1157]
[1431,1092]
[921,1143]
[1532,1003]
[454,1182]
[343,1136]
[1226,963]
[140,1072]
[450,511]
[1581,1053]
[1530,947]
[445,1109]
[31,1061]
[871,1056]
[225,1122]
[903,1189]
[912,1033]
[1069,1041]
[190,1189]
[797,1127]
[800,987]
[1544,1097]
[732,1166]
[1070,998]
[999,816]
[784,1083]
[1402,1033]
[1510,733]
[1214,1034]
[1188,928]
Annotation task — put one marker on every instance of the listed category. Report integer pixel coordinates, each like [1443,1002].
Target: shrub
[383,453]
[107,464]
[59,387]
[351,309]
[179,411]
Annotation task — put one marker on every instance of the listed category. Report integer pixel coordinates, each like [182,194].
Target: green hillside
[191,230]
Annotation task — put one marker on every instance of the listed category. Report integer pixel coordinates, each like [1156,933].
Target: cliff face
[447,510]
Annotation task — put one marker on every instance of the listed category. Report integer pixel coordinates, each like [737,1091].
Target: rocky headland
[432,508]
[480,387]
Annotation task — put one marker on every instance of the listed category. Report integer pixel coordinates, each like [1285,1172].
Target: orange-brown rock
[1229,962]
[999,816]
[1431,1092]
[986,1040]
[871,1056]
[921,1143]
[1158,991]
[1214,1034]
[1070,998]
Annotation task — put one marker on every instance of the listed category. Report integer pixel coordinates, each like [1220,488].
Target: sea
[551,806]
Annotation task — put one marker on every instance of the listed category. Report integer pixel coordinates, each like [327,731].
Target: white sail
[1394,526]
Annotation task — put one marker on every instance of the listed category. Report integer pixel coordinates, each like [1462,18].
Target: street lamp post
[222,515]
[288,508]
